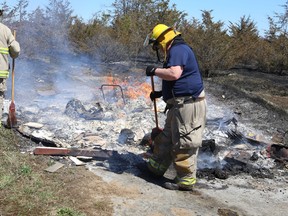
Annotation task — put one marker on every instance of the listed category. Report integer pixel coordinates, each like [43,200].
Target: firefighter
[183,92]
[8,47]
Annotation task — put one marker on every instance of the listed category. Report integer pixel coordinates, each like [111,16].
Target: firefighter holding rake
[183,91]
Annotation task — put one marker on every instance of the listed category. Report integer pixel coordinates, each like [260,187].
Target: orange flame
[111,80]
[134,91]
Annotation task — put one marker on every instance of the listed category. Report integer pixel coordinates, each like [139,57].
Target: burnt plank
[91,153]
[51,151]
[73,152]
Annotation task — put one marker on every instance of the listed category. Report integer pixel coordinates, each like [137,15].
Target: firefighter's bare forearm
[170,74]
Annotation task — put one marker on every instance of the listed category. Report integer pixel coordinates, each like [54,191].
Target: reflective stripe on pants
[157,168]
[185,181]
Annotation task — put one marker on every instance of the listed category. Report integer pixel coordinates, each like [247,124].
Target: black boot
[174,186]
[143,167]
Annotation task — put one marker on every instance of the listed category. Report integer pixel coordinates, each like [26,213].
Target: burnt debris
[75,109]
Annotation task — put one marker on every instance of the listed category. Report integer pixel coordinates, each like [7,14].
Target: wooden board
[95,153]
[54,167]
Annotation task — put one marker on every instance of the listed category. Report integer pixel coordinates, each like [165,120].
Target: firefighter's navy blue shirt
[190,82]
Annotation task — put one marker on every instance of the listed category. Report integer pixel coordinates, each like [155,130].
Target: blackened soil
[259,98]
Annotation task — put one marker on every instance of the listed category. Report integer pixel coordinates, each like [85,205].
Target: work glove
[155,94]
[150,70]
[155,132]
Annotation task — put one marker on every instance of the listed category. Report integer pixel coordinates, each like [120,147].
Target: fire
[111,80]
[132,89]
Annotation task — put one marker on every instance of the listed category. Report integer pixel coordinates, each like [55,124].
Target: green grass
[68,212]
[26,189]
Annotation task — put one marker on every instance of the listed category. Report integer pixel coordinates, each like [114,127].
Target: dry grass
[26,189]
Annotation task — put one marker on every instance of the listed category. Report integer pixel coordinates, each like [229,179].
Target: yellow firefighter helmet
[163,34]
[158,30]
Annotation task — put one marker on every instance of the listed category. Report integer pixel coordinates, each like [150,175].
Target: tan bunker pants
[2,91]
[180,140]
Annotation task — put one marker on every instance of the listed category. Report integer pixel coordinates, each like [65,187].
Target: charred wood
[99,154]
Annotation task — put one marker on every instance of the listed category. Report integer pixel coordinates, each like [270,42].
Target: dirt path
[240,195]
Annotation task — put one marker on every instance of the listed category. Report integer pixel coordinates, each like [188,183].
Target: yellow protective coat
[8,46]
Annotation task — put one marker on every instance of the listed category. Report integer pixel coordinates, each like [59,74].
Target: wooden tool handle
[13,73]
[155,107]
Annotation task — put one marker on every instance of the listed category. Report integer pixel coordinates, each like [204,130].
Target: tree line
[118,34]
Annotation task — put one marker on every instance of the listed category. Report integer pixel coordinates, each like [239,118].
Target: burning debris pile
[125,132]
[118,125]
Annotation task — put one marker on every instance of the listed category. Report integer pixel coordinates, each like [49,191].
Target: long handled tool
[155,107]
[12,120]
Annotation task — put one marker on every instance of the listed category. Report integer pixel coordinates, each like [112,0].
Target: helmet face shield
[148,40]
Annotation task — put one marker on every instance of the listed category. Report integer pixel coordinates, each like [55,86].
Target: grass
[26,189]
